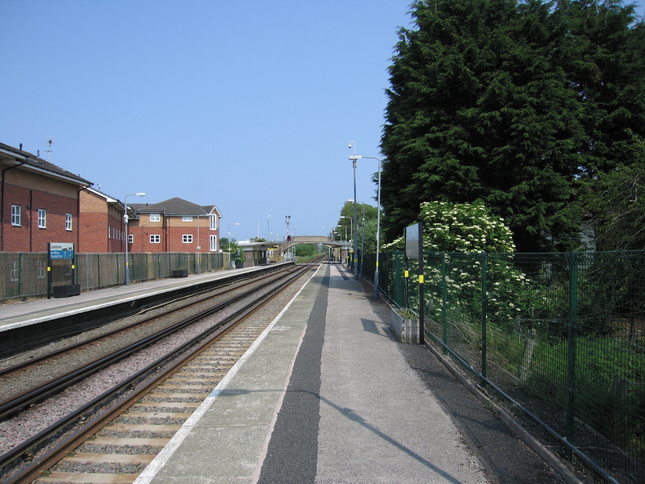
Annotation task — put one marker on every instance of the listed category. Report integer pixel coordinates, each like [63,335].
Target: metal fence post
[444,302]
[422,304]
[399,293]
[571,347]
[484,306]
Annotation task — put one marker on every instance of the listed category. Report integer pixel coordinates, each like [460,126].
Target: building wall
[116,229]
[149,228]
[102,227]
[33,192]
[170,231]
[93,223]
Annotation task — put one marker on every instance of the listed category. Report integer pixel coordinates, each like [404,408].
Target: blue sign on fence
[61,250]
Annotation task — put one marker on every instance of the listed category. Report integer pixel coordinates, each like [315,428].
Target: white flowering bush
[469,234]
[460,227]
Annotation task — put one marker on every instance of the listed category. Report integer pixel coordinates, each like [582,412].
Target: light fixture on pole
[378,217]
[127,237]
[351,229]
[287,221]
[229,234]
[231,261]
[352,144]
[362,258]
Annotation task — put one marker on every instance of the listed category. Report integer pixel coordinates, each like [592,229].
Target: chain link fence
[558,339]
[24,275]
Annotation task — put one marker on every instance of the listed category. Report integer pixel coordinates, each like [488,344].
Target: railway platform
[26,313]
[328,395]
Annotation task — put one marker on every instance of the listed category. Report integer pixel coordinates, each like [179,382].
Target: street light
[352,144]
[362,235]
[127,241]
[355,158]
[229,242]
[351,229]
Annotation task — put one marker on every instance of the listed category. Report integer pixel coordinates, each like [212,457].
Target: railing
[559,339]
[24,275]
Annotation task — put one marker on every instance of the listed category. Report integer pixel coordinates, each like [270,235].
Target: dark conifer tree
[493,100]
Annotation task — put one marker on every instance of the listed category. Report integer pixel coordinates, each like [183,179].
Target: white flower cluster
[461,227]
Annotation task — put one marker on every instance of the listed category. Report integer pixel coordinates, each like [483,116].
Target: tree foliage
[460,227]
[366,218]
[513,104]
[616,200]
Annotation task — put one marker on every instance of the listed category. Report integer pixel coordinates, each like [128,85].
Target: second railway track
[121,445]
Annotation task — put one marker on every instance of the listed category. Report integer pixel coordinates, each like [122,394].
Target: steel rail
[39,359]
[30,446]
[39,393]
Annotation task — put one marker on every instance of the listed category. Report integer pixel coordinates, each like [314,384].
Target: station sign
[61,250]
[414,241]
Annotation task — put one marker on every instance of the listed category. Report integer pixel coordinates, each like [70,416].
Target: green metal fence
[559,339]
[24,275]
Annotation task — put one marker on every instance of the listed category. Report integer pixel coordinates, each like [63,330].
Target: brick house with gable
[39,202]
[174,225]
[101,223]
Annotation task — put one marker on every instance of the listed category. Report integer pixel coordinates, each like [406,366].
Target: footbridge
[258,253]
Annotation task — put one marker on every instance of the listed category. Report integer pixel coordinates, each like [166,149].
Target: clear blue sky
[248,105]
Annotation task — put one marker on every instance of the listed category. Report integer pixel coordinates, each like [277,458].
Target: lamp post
[378,217]
[362,236]
[127,241]
[198,262]
[287,221]
[352,144]
[229,242]
[351,229]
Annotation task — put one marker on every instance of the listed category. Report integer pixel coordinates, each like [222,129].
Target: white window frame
[42,218]
[130,239]
[155,217]
[213,242]
[68,221]
[13,270]
[16,215]
[213,222]
[187,218]
[41,269]
[187,239]
[155,239]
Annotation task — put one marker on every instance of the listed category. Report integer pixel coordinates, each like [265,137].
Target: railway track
[114,438]
[80,359]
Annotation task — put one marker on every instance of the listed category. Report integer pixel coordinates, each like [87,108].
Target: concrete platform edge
[151,471]
[557,464]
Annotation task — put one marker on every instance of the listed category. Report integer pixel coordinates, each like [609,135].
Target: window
[213,243]
[68,221]
[13,271]
[213,222]
[155,217]
[155,239]
[42,218]
[187,238]
[41,269]
[16,215]
[131,239]
[187,219]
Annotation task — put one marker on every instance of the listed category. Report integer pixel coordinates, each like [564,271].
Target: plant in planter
[405,324]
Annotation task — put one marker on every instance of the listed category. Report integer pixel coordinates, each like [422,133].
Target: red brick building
[174,225]
[101,223]
[39,202]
